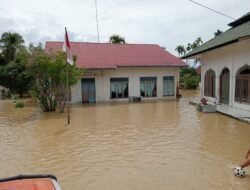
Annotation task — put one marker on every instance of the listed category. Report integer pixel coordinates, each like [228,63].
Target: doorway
[88,90]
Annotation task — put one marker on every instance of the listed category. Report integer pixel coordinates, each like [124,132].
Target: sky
[168,23]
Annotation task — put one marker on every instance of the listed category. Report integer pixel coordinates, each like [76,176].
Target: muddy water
[161,145]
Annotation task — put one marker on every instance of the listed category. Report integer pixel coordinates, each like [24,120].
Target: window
[242,86]
[119,88]
[168,86]
[148,86]
[209,83]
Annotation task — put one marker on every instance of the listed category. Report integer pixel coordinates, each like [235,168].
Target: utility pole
[97,25]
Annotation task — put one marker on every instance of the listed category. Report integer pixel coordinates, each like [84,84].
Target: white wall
[102,81]
[232,57]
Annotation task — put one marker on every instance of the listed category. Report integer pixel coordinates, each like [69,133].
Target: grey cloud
[165,22]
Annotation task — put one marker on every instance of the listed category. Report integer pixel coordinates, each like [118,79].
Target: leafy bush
[188,78]
[19,104]
[190,81]
[187,70]
[50,86]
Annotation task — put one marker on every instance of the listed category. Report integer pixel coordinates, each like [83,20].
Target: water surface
[157,145]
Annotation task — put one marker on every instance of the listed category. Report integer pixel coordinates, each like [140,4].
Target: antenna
[97,26]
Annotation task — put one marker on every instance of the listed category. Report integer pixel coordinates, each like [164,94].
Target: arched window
[209,83]
[242,85]
[224,86]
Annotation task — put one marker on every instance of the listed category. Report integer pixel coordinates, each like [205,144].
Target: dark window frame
[166,78]
[242,88]
[146,82]
[119,81]
[210,83]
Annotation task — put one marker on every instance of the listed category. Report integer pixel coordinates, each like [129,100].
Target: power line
[212,9]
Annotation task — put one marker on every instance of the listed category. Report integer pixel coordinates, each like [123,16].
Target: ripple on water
[157,145]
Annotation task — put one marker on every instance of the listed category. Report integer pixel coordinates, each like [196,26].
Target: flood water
[143,146]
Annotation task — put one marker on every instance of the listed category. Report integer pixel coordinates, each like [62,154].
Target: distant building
[119,72]
[225,65]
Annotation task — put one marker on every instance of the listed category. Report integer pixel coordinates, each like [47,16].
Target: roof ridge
[102,43]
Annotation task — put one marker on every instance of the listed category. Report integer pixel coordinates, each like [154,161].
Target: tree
[181,50]
[217,33]
[10,43]
[189,78]
[50,85]
[194,45]
[189,47]
[116,39]
[190,81]
[198,41]
[15,75]
[187,70]
[2,60]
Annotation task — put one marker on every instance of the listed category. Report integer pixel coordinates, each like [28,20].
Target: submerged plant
[19,104]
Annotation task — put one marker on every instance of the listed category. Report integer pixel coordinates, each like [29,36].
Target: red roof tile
[106,55]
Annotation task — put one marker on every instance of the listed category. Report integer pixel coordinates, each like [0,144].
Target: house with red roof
[122,72]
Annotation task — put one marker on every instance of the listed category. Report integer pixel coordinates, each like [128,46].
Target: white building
[119,72]
[225,65]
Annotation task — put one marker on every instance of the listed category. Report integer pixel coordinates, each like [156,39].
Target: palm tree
[116,39]
[181,50]
[198,41]
[194,45]
[217,33]
[9,44]
[189,47]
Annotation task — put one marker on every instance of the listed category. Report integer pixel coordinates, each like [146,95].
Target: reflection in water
[160,145]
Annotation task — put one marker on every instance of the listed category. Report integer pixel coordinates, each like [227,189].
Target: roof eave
[184,65]
[113,68]
[191,55]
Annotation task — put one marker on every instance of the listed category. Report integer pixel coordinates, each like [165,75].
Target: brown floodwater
[156,145]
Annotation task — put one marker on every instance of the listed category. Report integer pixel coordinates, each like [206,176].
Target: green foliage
[182,50]
[187,70]
[2,60]
[14,73]
[188,78]
[16,77]
[190,81]
[217,33]
[10,44]
[42,87]
[50,73]
[116,39]
[19,104]
[189,47]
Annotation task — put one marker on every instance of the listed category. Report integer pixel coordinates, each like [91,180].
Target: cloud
[164,22]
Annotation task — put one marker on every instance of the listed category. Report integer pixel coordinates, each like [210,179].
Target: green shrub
[190,81]
[19,104]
